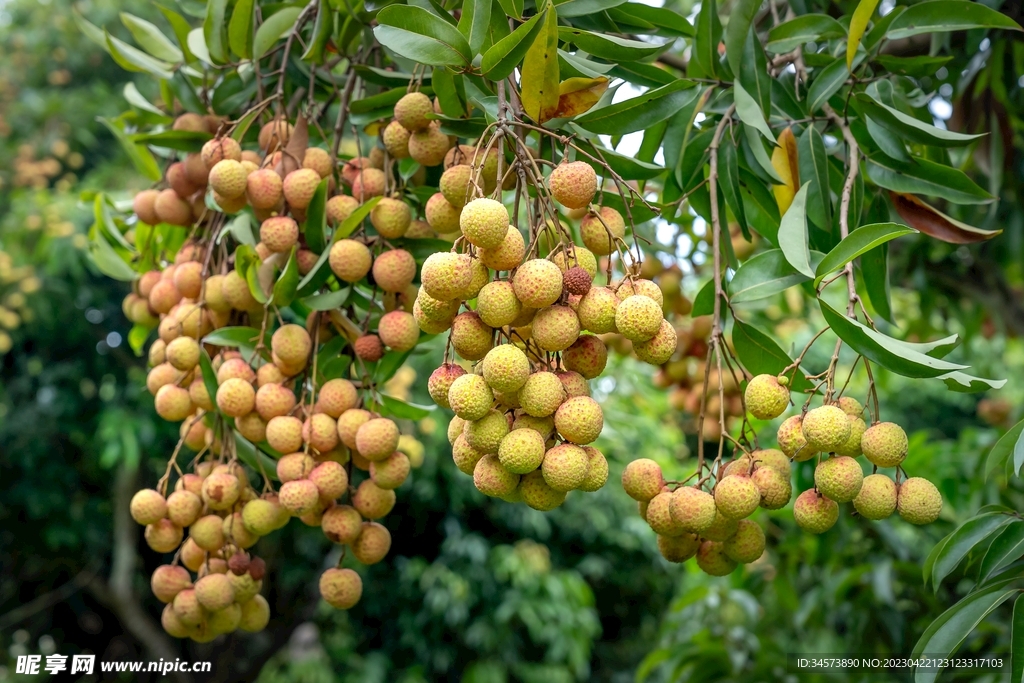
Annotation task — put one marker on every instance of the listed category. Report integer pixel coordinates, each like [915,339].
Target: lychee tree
[336,186]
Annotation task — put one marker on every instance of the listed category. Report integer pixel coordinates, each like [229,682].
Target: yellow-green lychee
[660,348]
[537,494]
[596,310]
[574,383]
[506,368]
[441,215]
[839,478]
[564,467]
[445,275]
[396,140]
[600,231]
[341,524]
[507,255]
[642,479]
[480,277]
[678,548]
[486,434]
[659,516]
[440,382]
[228,178]
[541,394]
[712,560]
[372,501]
[214,591]
[471,397]
[597,470]
[573,184]
[255,614]
[484,222]
[341,588]
[284,433]
[456,185]
[826,428]
[497,303]
[852,445]
[261,516]
[148,506]
[775,488]
[391,218]
[292,344]
[737,496]
[918,501]
[392,471]
[492,479]
[877,497]
[372,544]
[692,508]
[722,528]
[377,438]
[339,208]
[471,337]
[350,260]
[791,439]
[521,451]
[465,456]
[814,512]
[747,544]
[538,283]
[576,257]
[299,186]
[884,444]
[555,328]
[579,420]
[394,270]
[428,146]
[851,406]
[638,317]
[412,111]
[588,356]
[766,399]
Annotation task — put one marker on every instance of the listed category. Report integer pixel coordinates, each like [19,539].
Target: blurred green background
[474,589]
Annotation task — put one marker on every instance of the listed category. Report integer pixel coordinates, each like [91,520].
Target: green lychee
[596,310]
[579,420]
[471,337]
[692,508]
[679,548]
[884,444]
[486,434]
[852,445]
[537,494]
[638,318]
[497,304]
[565,467]
[492,479]
[840,478]
[441,215]
[394,270]
[484,223]
[766,399]
[465,456]
[538,283]
[506,368]
[470,397]
[791,439]
[814,512]
[877,497]
[341,588]
[599,231]
[555,328]
[747,544]
[597,470]
[775,488]
[350,260]
[659,516]
[642,479]
[826,428]
[712,560]
[658,349]
[918,501]
[737,496]
[391,218]
[412,110]
[509,254]
[541,394]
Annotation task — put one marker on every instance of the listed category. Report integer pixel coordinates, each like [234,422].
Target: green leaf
[750,112]
[754,78]
[893,354]
[243,17]
[705,44]
[133,59]
[316,218]
[108,261]
[607,46]
[513,8]
[813,164]
[273,29]
[949,630]
[393,407]
[475,22]
[925,177]
[630,168]
[806,28]
[741,16]
[1010,443]
[540,72]
[763,275]
[321,271]
[328,300]
[181,28]
[917,67]
[208,373]
[288,282]
[140,156]
[151,38]
[1017,642]
[911,128]
[582,8]
[1007,546]
[183,140]
[416,34]
[793,234]
[323,29]
[508,53]
[255,458]
[389,364]
[639,113]
[966,384]
[335,367]
[704,302]
[937,16]
[243,125]
[962,541]
[240,228]
[888,142]
[858,24]
[233,337]
[137,338]
[874,265]
[196,43]
[213,30]
[826,84]
[756,147]
[665,20]
[134,97]
[858,242]
[761,355]
[729,183]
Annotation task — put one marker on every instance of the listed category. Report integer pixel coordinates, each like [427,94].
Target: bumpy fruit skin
[398,330]
[172,209]
[509,254]
[775,488]
[596,310]
[492,479]
[148,506]
[349,423]
[391,218]
[766,399]
[839,478]
[486,434]
[506,368]
[712,560]
[236,397]
[576,257]
[396,140]
[465,456]
[579,420]
[340,207]
[279,233]
[877,497]
[660,348]
[446,275]
[412,110]
[377,438]
[722,528]
[747,544]
[594,230]
[214,591]
[538,283]
[693,509]
[394,270]
[791,439]
[884,444]
[350,260]
[284,433]
[541,394]
[497,304]
[815,513]
[441,215]
[521,451]
[577,281]
[851,406]
[330,479]
[659,516]
[274,135]
[428,146]
[537,494]
[564,467]
[679,548]
[638,318]
[484,222]
[555,328]
[642,479]
[169,580]
[918,501]
[391,472]
[372,544]
[255,614]
[368,183]
[826,428]
[737,496]
[573,184]
[440,382]
[470,336]
[852,445]
[292,344]
[341,588]
[183,507]
[639,286]
[597,470]
[341,524]
[470,397]
[456,185]
[299,497]
[228,178]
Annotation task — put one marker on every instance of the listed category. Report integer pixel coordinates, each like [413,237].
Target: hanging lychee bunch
[524,419]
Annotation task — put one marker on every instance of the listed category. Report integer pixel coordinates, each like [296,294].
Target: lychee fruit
[579,420]
[484,222]
[638,318]
[660,348]
[391,218]
[541,394]
[143,206]
[372,501]
[372,544]
[791,439]
[412,111]
[446,275]
[678,548]
[918,501]
[441,215]
[485,434]
[183,507]
[555,328]
[465,456]
[747,544]
[596,310]
[538,283]
[340,207]
[573,184]
[279,233]
[428,146]
[597,470]
[775,488]
[341,524]
[284,433]
[492,479]
[471,397]
[537,494]
[470,336]
[659,516]
[814,512]
[826,428]
[766,399]
[377,438]
[341,588]
[497,303]
[148,506]
[456,185]
[299,496]
[218,149]
[692,509]
[391,472]
[318,160]
[228,178]
[273,400]
[588,356]
[722,528]
[440,382]
[877,497]
[574,383]
[599,231]
[398,330]
[852,445]
[368,183]
[260,516]
[255,615]
[349,423]
[330,479]
[236,397]
[565,467]
[169,580]
[521,451]
[507,255]
[396,140]
[173,403]
[394,270]
[350,260]
[576,281]
[639,286]
[208,533]
[163,536]
[172,209]
[712,560]
[642,479]
[221,490]
[884,444]
[840,478]
[274,135]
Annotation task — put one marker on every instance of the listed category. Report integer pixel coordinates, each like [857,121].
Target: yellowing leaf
[786,164]
[539,82]
[577,95]
[858,24]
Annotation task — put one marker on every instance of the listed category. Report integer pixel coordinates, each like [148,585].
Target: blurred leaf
[416,34]
[918,66]
[316,218]
[664,19]
[213,31]
[393,407]
[807,28]
[875,267]
[328,300]
[966,384]
[1007,547]
[936,16]
[273,29]
[232,336]
[750,112]
[1010,443]
[763,275]
[323,28]
[606,46]
[857,243]
[288,282]
[1017,642]
[704,302]
[197,45]
[255,458]
[108,261]
[209,375]
[240,35]
[181,28]
[582,8]
[934,223]
[812,162]
[151,38]
[133,59]
[184,140]
[137,337]
[705,43]
[962,541]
